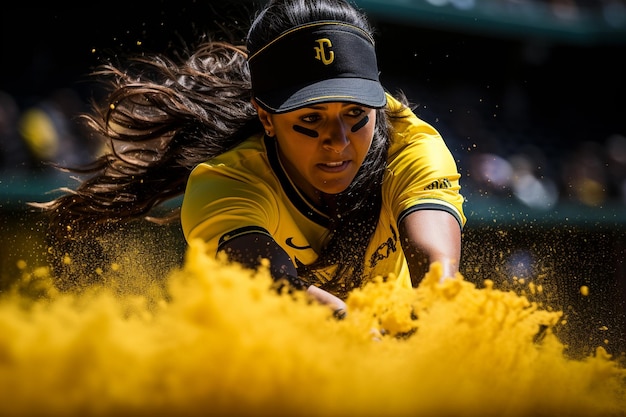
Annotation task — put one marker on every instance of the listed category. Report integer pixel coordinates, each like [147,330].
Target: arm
[429,236]
[251,248]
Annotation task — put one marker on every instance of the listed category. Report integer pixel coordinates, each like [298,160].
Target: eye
[356,111]
[310,118]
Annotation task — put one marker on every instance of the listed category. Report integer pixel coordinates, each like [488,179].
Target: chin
[332,190]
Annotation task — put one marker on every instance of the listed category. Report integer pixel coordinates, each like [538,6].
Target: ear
[265,117]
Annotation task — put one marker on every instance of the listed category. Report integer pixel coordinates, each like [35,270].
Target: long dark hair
[162,117]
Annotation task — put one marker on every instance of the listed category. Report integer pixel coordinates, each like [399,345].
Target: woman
[299,156]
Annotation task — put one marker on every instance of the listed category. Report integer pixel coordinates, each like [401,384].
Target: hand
[337,305]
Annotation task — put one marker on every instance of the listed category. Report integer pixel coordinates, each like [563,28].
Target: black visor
[317,63]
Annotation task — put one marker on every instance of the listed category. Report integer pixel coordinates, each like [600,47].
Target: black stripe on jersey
[239,232]
[430,206]
[303,206]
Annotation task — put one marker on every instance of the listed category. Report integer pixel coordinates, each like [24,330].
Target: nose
[335,138]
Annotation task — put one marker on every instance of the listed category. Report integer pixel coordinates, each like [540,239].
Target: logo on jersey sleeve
[439,184]
[385,249]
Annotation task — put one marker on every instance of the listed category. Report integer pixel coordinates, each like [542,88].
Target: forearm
[324,297]
[430,236]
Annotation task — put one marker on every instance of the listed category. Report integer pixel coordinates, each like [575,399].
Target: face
[323,146]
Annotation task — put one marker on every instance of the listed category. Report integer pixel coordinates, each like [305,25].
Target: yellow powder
[214,339]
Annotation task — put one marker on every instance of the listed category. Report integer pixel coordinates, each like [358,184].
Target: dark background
[492,83]
[508,87]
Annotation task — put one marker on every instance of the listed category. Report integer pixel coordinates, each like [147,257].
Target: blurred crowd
[537,161]
[34,137]
[591,173]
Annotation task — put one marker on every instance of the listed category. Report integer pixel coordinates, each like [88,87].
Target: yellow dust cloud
[214,339]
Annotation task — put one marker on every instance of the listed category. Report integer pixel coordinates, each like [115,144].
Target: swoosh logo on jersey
[290,243]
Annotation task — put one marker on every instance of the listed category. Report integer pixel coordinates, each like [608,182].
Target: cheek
[363,140]
[365,135]
[297,152]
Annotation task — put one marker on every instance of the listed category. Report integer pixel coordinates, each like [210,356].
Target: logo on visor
[322,53]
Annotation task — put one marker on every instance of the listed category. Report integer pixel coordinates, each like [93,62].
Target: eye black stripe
[360,124]
[309,132]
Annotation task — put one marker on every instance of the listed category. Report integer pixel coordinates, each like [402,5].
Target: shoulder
[235,189]
[410,134]
[242,172]
[251,149]
[404,121]
[248,159]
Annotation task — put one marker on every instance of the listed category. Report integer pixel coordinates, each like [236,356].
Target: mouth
[333,166]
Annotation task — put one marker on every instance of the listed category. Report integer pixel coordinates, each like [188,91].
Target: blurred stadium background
[530,95]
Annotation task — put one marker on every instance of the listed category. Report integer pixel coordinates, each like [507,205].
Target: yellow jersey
[246,189]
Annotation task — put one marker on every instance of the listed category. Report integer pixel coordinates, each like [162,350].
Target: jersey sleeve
[220,203]
[422,173]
